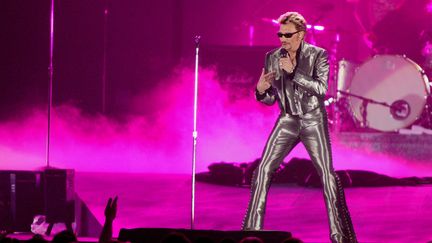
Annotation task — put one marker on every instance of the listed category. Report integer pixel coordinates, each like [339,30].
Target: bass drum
[396,82]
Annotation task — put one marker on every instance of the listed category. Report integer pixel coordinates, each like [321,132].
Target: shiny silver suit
[303,118]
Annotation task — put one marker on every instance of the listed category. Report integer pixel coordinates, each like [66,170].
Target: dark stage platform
[384,214]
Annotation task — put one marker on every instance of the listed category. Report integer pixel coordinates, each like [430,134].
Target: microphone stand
[194,133]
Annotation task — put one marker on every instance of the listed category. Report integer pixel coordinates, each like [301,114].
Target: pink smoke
[232,126]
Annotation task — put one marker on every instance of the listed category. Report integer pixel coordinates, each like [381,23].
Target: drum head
[395,80]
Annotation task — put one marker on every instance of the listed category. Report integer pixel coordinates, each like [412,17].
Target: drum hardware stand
[363,109]
[426,117]
[429,110]
[334,110]
[343,117]
[397,106]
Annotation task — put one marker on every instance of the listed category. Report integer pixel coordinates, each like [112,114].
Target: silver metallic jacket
[306,90]
[303,119]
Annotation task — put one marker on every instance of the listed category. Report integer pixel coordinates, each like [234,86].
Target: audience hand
[111,209]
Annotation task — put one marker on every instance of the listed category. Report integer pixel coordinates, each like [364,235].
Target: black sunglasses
[287,35]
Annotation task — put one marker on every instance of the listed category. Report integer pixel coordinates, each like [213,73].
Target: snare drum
[393,80]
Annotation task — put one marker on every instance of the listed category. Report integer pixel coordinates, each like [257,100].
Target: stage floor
[383,214]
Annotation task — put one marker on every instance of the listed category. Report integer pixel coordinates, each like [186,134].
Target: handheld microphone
[283,53]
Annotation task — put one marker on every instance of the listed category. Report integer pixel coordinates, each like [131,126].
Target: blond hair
[293,17]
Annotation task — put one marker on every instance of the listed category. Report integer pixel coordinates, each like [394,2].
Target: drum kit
[385,94]
[389,92]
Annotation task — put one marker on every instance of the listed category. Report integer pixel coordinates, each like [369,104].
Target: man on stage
[296,75]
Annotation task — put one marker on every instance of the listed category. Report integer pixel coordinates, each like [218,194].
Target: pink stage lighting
[275,22]
[316,27]
[429,7]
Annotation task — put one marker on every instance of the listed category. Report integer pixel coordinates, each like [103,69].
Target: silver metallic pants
[311,129]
